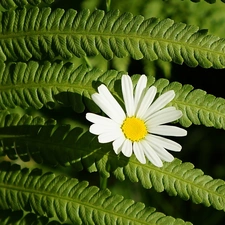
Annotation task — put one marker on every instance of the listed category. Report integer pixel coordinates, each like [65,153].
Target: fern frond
[65,146]
[67,199]
[15,126]
[20,217]
[177,179]
[41,33]
[8,119]
[81,150]
[48,84]
[11,4]
[197,106]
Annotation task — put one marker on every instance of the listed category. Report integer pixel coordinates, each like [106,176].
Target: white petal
[161,102]
[103,91]
[146,101]
[127,148]
[139,152]
[151,154]
[117,144]
[141,85]
[107,108]
[168,131]
[164,142]
[162,153]
[128,96]
[99,129]
[108,137]
[94,118]
[165,115]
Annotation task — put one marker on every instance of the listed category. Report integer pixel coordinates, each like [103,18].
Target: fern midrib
[67,199]
[193,184]
[79,88]
[60,145]
[152,168]
[108,35]
[203,108]
[177,177]
[74,85]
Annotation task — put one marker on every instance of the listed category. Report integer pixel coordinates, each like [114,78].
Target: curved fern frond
[197,106]
[67,199]
[15,126]
[48,84]
[82,150]
[177,178]
[20,217]
[8,119]
[65,146]
[11,4]
[40,33]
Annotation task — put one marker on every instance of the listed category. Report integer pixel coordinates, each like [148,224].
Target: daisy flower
[137,128]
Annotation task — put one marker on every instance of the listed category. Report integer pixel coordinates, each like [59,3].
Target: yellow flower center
[134,128]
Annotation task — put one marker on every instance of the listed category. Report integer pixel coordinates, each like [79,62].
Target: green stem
[108,4]
[103,182]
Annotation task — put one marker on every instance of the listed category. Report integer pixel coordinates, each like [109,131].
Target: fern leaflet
[48,84]
[8,119]
[67,199]
[9,4]
[43,33]
[81,149]
[20,217]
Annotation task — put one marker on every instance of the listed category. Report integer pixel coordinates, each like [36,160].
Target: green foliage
[197,106]
[8,119]
[72,201]
[106,33]
[176,178]
[49,84]
[8,4]
[53,57]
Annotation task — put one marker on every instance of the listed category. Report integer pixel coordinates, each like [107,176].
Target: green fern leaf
[20,217]
[177,179]
[71,148]
[49,84]
[11,4]
[197,106]
[52,140]
[8,119]
[67,199]
[14,126]
[41,33]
